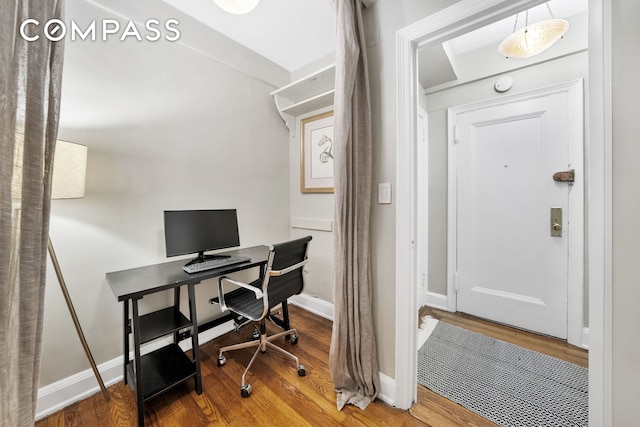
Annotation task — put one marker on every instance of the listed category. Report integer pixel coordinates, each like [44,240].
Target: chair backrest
[282,257]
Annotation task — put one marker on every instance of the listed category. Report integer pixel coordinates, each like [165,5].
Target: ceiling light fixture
[533,39]
[237,7]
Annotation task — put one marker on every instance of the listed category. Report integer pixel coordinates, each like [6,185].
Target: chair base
[264,342]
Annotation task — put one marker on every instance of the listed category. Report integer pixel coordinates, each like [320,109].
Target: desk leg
[176,304]
[127,330]
[194,336]
[137,363]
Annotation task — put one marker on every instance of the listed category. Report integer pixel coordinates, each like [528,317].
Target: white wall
[168,126]
[626,211]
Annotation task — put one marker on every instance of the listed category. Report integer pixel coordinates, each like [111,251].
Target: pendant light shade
[533,39]
[237,7]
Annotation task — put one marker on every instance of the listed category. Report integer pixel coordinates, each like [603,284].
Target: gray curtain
[353,359]
[30,77]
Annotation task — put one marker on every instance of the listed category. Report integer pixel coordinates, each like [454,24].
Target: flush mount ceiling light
[533,39]
[237,7]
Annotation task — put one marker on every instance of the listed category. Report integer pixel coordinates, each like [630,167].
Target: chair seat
[244,301]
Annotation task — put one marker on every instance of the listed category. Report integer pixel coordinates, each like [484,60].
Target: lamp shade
[237,7]
[69,170]
[533,39]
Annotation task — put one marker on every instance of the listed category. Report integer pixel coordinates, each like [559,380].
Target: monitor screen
[197,231]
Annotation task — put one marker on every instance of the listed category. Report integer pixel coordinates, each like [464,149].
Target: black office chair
[283,278]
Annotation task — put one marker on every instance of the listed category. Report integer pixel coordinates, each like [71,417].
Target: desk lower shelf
[162,369]
[163,322]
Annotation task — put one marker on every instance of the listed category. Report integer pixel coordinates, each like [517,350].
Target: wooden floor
[279,396]
[435,410]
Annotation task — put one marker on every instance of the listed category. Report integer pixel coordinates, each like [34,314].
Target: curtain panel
[353,359]
[30,79]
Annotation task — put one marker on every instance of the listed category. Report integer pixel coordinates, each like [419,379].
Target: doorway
[460,18]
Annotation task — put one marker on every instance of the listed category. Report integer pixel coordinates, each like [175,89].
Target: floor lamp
[69,169]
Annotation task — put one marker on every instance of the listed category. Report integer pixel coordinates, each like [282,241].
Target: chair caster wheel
[294,339]
[255,335]
[301,371]
[222,360]
[245,390]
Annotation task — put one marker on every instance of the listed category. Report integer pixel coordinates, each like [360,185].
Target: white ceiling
[295,33]
[291,33]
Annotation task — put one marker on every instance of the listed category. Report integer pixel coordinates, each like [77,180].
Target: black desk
[155,372]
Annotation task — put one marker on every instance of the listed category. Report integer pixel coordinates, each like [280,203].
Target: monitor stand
[202,257]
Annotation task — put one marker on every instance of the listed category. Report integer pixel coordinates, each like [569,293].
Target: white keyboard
[212,263]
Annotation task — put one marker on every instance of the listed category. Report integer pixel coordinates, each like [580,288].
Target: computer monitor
[198,231]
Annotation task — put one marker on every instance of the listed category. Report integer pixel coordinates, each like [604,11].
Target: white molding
[58,395]
[459,18]
[584,343]
[312,224]
[314,305]
[422,227]
[599,205]
[206,336]
[452,206]
[406,275]
[387,389]
[438,301]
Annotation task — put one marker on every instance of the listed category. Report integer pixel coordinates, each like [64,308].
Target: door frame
[459,18]
[575,244]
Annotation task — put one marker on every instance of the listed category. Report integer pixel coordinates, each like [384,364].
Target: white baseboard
[387,389]
[438,301]
[585,338]
[208,335]
[58,395]
[313,304]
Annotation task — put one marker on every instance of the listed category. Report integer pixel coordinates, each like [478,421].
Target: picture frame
[316,153]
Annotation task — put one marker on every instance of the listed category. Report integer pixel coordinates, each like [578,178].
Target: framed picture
[316,154]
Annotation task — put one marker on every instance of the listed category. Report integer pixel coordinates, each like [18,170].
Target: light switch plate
[384,193]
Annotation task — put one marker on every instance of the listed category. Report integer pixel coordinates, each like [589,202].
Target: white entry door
[512,220]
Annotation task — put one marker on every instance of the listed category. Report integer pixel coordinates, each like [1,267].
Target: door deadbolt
[556,222]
